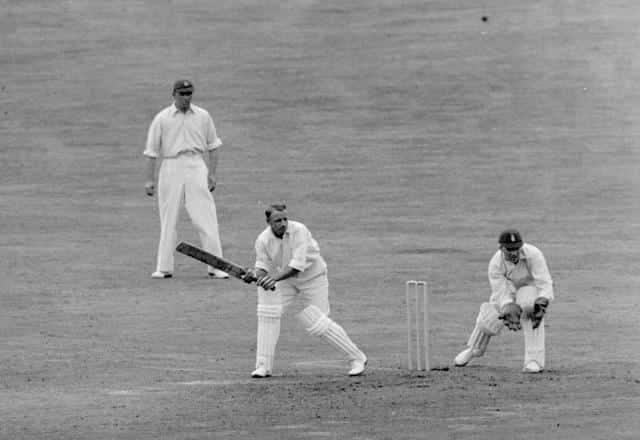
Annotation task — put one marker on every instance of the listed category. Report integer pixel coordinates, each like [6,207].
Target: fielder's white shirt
[505,277]
[173,132]
[297,249]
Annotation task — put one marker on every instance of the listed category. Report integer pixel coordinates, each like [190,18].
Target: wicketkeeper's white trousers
[184,179]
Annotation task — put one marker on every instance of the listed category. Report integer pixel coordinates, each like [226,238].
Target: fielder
[288,258]
[181,134]
[521,290]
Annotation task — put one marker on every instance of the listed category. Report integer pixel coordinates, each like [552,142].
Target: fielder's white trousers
[184,179]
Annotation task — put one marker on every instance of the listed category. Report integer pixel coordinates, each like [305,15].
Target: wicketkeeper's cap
[510,239]
[182,84]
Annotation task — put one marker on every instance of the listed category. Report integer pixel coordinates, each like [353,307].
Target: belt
[187,153]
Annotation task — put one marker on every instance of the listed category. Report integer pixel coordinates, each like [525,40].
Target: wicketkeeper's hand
[510,315]
[539,309]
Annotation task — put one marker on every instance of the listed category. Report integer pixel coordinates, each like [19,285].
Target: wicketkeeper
[521,291]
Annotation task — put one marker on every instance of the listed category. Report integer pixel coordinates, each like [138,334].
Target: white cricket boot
[463,357]
[532,367]
[261,372]
[357,367]
[218,274]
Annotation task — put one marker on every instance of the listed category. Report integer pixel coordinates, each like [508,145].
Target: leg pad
[269,311]
[488,321]
[317,323]
[268,334]
[478,341]
[314,320]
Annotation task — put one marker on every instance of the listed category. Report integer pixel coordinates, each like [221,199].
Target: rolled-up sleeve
[154,138]
[213,141]
[262,257]
[502,290]
[300,243]
[540,274]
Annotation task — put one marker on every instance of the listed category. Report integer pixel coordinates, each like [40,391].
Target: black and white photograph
[304,219]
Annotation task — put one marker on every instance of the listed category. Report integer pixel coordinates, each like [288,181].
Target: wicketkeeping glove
[539,309]
[510,315]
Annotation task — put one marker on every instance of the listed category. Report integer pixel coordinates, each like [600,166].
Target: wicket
[418,328]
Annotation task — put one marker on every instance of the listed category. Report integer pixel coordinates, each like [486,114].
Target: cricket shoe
[160,275]
[464,357]
[218,274]
[358,366]
[532,367]
[260,372]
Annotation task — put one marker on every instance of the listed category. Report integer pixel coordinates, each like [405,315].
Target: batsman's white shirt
[173,132]
[506,278]
[297,249]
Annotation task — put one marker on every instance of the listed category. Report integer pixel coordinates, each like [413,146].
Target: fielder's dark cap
[182,84]
[510,239]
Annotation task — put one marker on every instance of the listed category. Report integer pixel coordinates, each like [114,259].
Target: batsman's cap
[510,239]
[182,84]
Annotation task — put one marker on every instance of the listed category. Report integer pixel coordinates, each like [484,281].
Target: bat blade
[225,265]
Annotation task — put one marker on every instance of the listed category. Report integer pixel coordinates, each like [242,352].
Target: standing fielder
[521,290]
[288,258]
[181,134]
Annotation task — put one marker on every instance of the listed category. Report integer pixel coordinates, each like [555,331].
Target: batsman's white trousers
[312,292]
[184,179]
[314,297]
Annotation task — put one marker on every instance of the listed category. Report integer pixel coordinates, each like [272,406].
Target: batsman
[290,269]
[521,291]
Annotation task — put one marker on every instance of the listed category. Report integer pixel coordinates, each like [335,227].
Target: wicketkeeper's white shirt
[297,249]
[505,277]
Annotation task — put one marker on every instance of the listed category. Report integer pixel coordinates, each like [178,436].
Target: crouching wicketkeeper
[521,290]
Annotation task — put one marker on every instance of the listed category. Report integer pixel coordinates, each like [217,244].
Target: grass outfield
[405,134]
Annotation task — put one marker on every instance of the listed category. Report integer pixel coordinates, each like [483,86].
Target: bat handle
[273,288]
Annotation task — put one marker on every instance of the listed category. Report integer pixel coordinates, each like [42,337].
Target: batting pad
[268,334]
[314,320]
[534,349]
[318,324]
[478,341]
[269,310]
[488,320]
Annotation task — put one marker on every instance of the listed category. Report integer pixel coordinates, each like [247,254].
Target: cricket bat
[233,269]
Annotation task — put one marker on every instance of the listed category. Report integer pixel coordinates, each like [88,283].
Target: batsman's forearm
[151,169]
[260,272]
[288,273]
